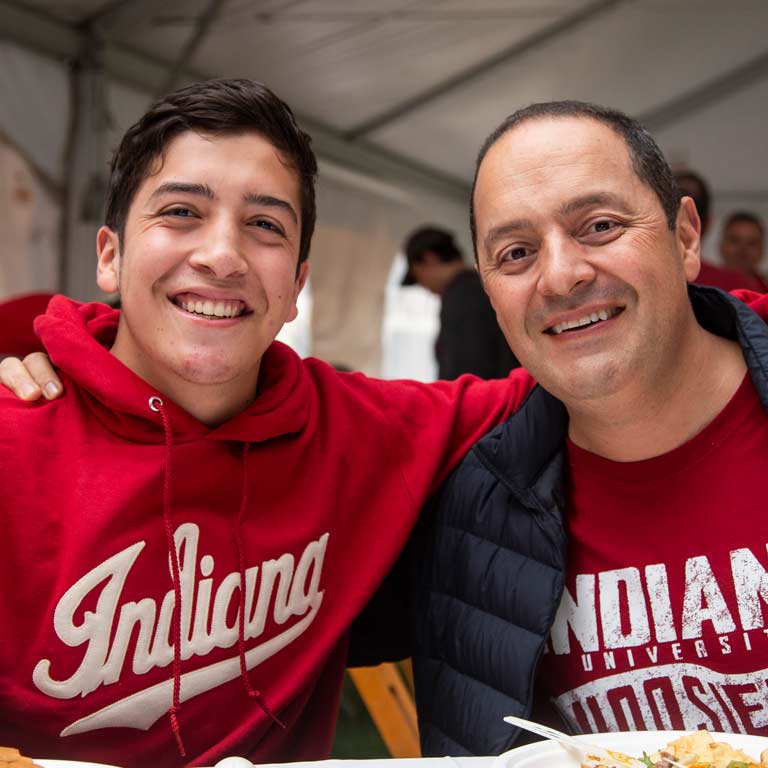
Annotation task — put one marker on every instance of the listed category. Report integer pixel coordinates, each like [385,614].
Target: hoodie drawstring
[250,690]
[157,405]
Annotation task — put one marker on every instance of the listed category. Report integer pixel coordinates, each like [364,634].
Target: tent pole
[86,172]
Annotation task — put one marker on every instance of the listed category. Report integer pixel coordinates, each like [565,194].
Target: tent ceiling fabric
[421,82]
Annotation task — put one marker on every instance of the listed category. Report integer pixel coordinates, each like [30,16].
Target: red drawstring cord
[157,405]
[250,690]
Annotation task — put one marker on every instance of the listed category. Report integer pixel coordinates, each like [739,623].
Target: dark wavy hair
[648,160]
[221,107]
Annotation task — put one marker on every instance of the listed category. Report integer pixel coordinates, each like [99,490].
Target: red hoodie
[318,482]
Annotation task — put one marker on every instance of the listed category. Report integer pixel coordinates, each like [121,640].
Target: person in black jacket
[603,553]
[469,340]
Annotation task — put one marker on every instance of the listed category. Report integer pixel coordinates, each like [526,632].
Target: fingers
[31,378]
[39,366]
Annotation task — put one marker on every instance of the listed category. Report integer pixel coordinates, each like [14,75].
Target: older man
[640,453]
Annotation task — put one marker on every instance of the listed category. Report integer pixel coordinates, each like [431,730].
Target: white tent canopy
[398,95]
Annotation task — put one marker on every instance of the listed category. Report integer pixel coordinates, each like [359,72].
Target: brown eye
[183,213]
[268,227]
[514,254]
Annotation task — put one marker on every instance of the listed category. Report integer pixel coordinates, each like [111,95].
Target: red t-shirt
[663,621]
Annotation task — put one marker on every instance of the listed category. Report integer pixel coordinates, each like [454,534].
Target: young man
[192,527]
[641,452]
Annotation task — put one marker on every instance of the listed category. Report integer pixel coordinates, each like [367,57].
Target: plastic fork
[580,747]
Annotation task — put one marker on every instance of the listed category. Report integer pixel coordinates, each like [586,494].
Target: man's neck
[642,422]
[211,403]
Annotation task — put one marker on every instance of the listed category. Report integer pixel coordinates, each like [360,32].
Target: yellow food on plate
[694,750]
[12,758]
[700,749]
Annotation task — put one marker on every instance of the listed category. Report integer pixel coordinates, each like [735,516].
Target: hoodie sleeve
[440,422]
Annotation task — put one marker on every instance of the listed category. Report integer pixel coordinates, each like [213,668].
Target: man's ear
[298,285]
[688,237]
[108,264]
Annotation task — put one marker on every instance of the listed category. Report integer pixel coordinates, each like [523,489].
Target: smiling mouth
[584,322]
[208,308]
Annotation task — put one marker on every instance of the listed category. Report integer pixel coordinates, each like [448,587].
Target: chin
[589,382]
[209,368]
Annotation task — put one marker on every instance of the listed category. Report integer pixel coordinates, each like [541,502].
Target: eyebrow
[594,198]
[271,202]
[504,230]
[203,190]
[174,187]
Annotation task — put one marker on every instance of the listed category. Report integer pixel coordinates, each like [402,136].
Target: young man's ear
[108,264]
[688,236]
[301,280]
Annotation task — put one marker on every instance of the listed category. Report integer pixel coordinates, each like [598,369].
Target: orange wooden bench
[389,701]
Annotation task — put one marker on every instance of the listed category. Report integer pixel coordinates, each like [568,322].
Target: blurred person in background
[742,246]
[469,340]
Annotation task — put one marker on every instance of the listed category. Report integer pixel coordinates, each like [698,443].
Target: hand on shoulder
[31,378]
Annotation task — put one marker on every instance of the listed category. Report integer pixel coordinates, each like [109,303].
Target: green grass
[356,735]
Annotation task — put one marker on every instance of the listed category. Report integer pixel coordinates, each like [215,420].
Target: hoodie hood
[78,338]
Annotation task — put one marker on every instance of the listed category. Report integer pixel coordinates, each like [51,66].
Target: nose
[563,266]
[219,253]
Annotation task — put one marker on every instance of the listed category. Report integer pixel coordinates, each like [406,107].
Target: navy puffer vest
[490,573]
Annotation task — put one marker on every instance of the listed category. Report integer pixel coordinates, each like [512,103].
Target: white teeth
[209,308]
[594,317]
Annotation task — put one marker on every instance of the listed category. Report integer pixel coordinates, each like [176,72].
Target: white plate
[434,762]
[548,754]
[411,762]
[70,764]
